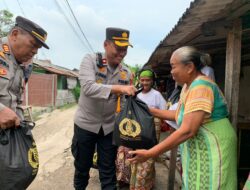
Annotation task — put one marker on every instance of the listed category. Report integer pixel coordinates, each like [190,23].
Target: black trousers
[83,147]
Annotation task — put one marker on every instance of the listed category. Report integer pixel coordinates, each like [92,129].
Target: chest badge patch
[99,81]
[123,75]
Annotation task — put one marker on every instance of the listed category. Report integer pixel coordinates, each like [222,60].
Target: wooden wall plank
[232,76]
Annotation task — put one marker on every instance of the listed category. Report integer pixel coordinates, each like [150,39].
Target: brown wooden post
[53,92]
[55,89]
[172,168]
[232,76]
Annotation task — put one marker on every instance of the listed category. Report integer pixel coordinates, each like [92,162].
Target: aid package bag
[18,158]
[134,126]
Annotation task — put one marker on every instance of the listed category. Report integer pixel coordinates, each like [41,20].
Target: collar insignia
[6,48]
[2,55]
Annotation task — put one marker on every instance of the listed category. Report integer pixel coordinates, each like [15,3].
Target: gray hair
[189,54]
[206,59]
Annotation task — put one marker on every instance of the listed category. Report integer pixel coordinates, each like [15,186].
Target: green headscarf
[147,73]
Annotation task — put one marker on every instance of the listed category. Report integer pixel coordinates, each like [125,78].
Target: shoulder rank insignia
[3,71]
[6,48]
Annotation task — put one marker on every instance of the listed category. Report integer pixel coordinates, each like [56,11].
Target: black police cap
[34,29]
[119,36]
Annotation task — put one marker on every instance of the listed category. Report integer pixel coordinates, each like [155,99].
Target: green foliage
[6,22]
[76,92]
[135,70]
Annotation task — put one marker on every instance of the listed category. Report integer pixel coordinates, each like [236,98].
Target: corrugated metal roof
[199,12]
[47,65]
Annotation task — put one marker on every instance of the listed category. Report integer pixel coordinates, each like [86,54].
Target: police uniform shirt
[97,105]
[11,79]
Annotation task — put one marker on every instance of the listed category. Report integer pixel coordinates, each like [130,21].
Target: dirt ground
[53,134]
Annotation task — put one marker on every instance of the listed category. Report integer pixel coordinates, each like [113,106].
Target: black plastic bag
[18,158]
[134,126]
[174,97]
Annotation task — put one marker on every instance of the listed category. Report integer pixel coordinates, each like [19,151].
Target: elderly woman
[208,149]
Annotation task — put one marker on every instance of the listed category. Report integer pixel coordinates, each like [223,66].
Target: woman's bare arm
[189,128]
[163,114]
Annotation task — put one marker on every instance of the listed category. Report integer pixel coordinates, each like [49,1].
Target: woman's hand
[140,155]
[163,114]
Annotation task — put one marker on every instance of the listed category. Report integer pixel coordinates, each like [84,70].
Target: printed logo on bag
[168,105]
[33,156]
[129,127]
[95,160]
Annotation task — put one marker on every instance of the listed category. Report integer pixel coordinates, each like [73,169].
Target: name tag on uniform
[123,81]
[101,75]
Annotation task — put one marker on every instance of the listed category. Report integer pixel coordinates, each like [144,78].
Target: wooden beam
[232,75]
[172,168]
[239,11]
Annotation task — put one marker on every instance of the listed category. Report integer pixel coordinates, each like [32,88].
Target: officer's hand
[129,90]
[8,118]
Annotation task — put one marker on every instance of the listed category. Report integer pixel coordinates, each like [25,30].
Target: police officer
[103,80]
[19,47]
